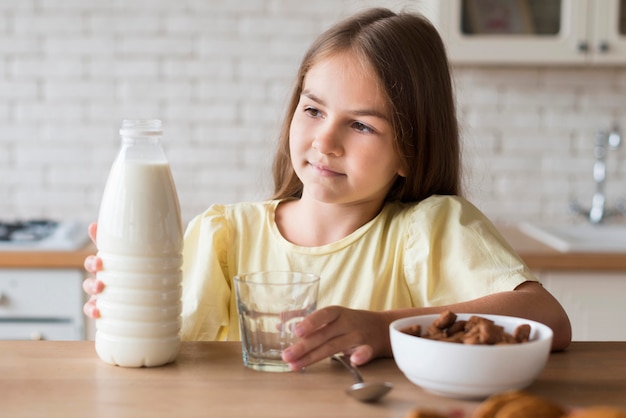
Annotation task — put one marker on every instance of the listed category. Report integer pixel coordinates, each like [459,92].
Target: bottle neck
[141,127]
[141,140]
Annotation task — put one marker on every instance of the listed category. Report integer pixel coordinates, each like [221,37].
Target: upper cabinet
[531,31]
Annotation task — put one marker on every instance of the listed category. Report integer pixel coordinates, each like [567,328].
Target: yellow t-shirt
[437,252]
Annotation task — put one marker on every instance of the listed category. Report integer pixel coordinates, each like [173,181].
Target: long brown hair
[409,58]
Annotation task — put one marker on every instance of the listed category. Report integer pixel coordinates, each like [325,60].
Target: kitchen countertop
[46,259]
[538,256]
[66,379]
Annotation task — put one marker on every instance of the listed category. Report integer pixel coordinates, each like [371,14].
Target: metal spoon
[364,392]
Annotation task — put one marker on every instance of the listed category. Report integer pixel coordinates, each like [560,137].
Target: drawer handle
[36,336]
[603,46]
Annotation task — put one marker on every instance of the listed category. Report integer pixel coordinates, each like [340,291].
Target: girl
[367,196]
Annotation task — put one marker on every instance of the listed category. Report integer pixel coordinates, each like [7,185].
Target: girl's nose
[327,140]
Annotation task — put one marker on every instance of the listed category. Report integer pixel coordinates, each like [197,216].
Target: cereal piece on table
[445,319]
[518,404]
[522,333]
[598,412]
[530,406]
[490,407]
[424,413]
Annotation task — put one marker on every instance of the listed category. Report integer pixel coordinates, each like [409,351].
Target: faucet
[598,211]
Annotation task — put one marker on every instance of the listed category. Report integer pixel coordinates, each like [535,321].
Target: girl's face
[341,137]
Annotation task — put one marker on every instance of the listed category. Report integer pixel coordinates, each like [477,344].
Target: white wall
[217,72]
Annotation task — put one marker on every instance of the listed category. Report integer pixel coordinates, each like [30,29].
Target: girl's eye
[311,111]
[362,128]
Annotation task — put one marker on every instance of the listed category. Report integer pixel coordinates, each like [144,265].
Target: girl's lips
[325,170]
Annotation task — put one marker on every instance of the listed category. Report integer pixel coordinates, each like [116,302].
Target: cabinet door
[607,42]
[593,301]
[38,330]
[35,293]
[41,304]
[515,31]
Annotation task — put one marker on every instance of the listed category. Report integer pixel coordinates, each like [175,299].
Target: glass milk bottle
[140,241]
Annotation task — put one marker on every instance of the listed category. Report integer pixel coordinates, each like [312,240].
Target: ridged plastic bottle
[140,241]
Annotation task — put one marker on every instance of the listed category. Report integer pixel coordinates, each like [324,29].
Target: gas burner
[42,234]
[34,230]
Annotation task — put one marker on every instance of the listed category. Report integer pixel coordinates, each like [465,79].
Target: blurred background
[218,73]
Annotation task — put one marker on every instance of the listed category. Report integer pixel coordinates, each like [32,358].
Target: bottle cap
[141,127]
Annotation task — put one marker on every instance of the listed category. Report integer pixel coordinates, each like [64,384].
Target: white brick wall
[529,137]
[217,72]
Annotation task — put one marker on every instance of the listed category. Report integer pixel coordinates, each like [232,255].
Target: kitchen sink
[579,237]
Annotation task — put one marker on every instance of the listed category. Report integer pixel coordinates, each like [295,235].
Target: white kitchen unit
[533,32]
[594,301]
[41,304]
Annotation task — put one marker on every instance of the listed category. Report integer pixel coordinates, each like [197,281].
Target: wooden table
[66,379]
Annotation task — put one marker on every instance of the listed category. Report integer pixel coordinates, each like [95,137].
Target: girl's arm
[365,334]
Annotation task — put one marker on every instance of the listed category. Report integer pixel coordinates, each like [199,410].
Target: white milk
[140,214]
[140,240]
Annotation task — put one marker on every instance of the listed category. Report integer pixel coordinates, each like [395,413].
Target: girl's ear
[401,172]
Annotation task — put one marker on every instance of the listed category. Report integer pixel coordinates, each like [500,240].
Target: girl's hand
[91,285]
[363,335]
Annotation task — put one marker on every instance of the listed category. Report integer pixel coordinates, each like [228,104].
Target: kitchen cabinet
[41,294]
[594,302]
[41,304]
[590,286]
[567,32]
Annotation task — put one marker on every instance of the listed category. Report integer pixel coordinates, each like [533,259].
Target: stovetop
[42,235]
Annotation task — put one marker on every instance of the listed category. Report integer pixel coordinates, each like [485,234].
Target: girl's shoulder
[227,213]
[437,215]
[235,215]
[241,211]
[442,219]
[433,207]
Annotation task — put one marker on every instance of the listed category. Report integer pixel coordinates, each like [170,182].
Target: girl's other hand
[91,285]
[362,335]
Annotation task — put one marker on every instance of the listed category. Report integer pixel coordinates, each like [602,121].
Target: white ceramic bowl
[470,371]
